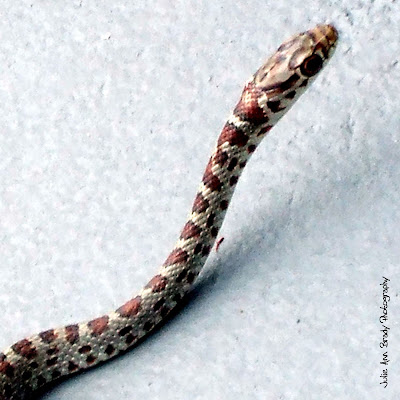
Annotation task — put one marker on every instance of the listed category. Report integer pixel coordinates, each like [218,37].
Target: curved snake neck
[33,362]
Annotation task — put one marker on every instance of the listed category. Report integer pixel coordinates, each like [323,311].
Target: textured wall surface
[109,111]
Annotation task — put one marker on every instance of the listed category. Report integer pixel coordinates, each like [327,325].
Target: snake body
[33,362]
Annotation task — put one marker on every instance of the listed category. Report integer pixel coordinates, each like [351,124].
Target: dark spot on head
[282,86]
[291,95]
[275,106]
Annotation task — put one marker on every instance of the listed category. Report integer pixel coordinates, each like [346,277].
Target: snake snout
[325,36]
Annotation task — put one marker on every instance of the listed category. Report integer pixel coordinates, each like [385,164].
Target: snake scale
[33,362]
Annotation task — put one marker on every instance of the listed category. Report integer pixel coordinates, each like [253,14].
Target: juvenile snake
[33,362]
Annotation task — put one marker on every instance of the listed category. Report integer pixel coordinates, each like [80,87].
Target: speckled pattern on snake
[33,362]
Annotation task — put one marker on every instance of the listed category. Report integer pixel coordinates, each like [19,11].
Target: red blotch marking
[25,349]
[200,204]
[6,368]
[220,157]
[177,256]
[190,230]
[130,308]
[248,109]
[157,283]
[98,325]
[48,336]
[233,136]
[72,333]
[52,351]
[209,179]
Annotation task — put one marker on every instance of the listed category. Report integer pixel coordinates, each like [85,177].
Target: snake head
[296,62]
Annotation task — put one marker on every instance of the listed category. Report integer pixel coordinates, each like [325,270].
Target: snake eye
[311,65]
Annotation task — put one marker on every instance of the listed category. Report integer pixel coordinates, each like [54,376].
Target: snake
[36,361]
